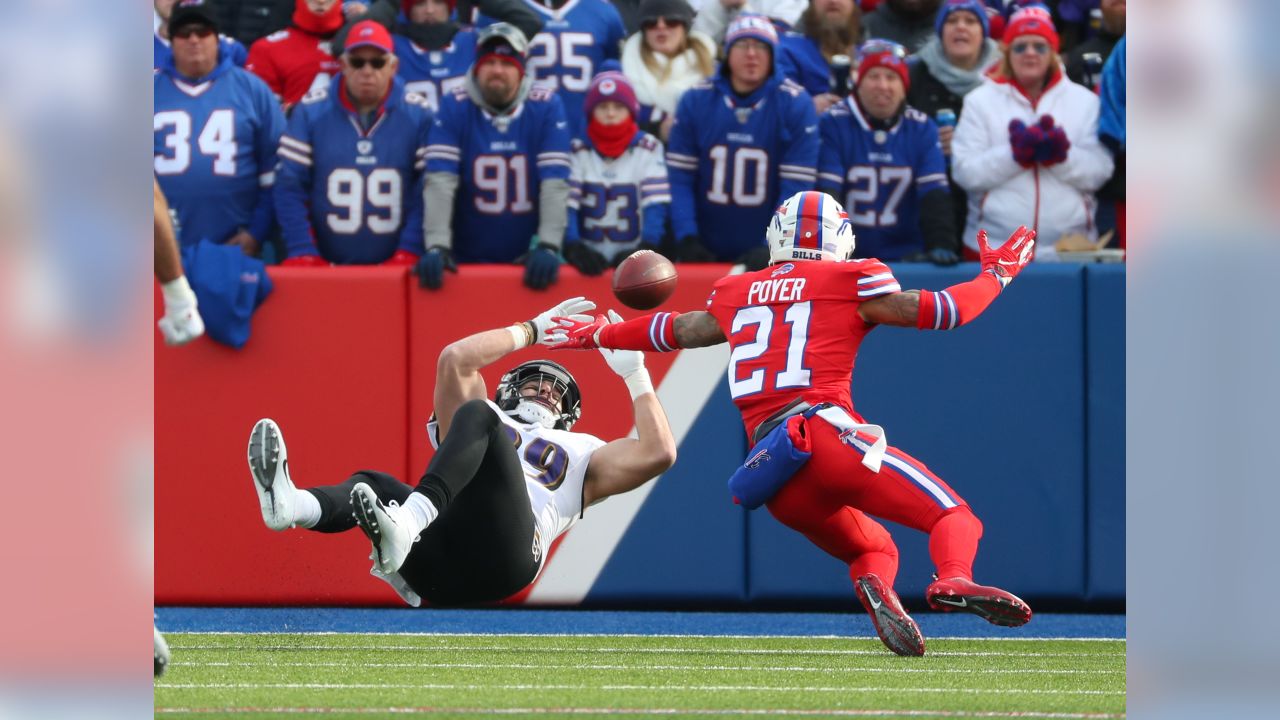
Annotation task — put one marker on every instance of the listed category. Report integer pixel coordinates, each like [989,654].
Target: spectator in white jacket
[663,60]
[1026,148]
[714,16]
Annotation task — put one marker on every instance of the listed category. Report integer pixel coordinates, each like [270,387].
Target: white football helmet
[810,225]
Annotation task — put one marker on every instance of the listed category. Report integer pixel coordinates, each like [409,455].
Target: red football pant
[830,499]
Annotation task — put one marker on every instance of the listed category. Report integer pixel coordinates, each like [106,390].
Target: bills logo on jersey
[783,270]
[364,147]
[743,114]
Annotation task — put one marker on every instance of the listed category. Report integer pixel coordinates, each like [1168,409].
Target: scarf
[957,80]
[323,25]
[612,140]
[683,72]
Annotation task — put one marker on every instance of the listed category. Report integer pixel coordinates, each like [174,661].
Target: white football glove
[628,364]
[574,307]
[181,322]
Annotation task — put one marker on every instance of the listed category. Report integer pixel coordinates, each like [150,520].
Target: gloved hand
[580,332]
[585,258]
[1022,143]
[628,364]
[691,249]
[181,322]
[541,266]
[1006,261]
[546,324]
[625,363]
[757,258]
[1053,149]
[943,256]
[624,254]
[402,258]
[432,264]
[304,261]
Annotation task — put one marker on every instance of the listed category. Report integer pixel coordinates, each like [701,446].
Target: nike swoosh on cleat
[953,602]
[875,602]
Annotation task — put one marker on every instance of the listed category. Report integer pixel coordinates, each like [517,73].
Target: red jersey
[794,331]
[293,62]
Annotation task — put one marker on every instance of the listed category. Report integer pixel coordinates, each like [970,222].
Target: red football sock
[883,564]
[953,542]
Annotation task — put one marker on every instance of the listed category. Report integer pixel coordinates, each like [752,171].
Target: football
[644,280]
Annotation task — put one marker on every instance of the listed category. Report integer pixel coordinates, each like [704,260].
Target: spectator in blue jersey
[349,188]
[160,37]
[216,128]
[499,154]
[618,193]
[577,37]
[434,50]
[743,141]
[1111,133]
[881,157]
[906,22]
[827,29]
[663,60]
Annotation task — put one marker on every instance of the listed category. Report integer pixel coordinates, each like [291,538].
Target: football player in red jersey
[794,329]
[299,58]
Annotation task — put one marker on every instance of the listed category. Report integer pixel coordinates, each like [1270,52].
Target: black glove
[541,266]
[943,256]
[624,254]
[431,267]
[691,249]
[757,258]
[585,258]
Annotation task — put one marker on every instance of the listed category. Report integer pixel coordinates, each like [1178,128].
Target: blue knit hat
[974,6]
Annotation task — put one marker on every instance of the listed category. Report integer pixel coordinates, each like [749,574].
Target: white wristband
[520,334]
[177,292]
[638,383]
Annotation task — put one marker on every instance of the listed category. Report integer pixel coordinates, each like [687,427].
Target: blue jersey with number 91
[500,162]
[575,41]
[215,150]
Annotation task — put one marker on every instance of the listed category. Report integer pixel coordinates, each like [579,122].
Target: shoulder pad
[914,115]
[314,96]
[278,35]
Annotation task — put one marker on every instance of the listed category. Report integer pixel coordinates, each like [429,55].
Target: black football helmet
[507,396]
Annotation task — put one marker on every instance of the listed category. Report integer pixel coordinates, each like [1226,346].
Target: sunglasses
[876,47]
[1039,48]
[651,23]
[200,31]
[358,63]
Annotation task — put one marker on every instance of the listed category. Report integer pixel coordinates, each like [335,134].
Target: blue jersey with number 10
[575,41]
[500,162]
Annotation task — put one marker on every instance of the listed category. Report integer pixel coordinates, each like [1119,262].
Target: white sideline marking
[631,635]
[611,650]
[582,555]
[642,688]
[634,711]
[726,668]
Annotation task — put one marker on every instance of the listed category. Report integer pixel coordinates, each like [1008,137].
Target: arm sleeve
[553,158]
[981,157]
[653,222]
[259,63]
[411,234]
[267,143]
[830,159]
[553,209]
[682,168]
[293,187]
[1088,163]
[617,34]
[573,231]
[515,12]
[439,189]
[1112,119]
[798,169]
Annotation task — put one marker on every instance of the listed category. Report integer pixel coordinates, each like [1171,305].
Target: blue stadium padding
[1105,357]
[686,543]
[996,409]
[601,622]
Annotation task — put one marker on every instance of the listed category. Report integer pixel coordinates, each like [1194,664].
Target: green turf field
[356,675]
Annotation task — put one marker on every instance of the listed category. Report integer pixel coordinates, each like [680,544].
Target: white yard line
[610,650]
[622,688]
[630,668]
[630,635]
[631,711]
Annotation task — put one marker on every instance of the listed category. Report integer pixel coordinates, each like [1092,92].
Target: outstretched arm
[458,369]
[961,303]
[655,332]
[627,463]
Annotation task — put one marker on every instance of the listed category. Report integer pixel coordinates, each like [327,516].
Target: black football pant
[480,548]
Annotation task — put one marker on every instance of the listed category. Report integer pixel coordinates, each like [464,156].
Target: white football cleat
[385,526]
[269,464]
[162,652]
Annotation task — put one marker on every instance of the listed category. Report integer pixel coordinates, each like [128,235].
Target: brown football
[644,280]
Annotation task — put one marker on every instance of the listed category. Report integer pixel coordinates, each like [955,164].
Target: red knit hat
[611,85]
[885,54]
[1031,21]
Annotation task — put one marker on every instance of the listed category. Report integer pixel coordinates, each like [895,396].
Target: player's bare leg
[895,627]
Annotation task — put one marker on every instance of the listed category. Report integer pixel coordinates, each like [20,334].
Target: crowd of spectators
[429,133]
